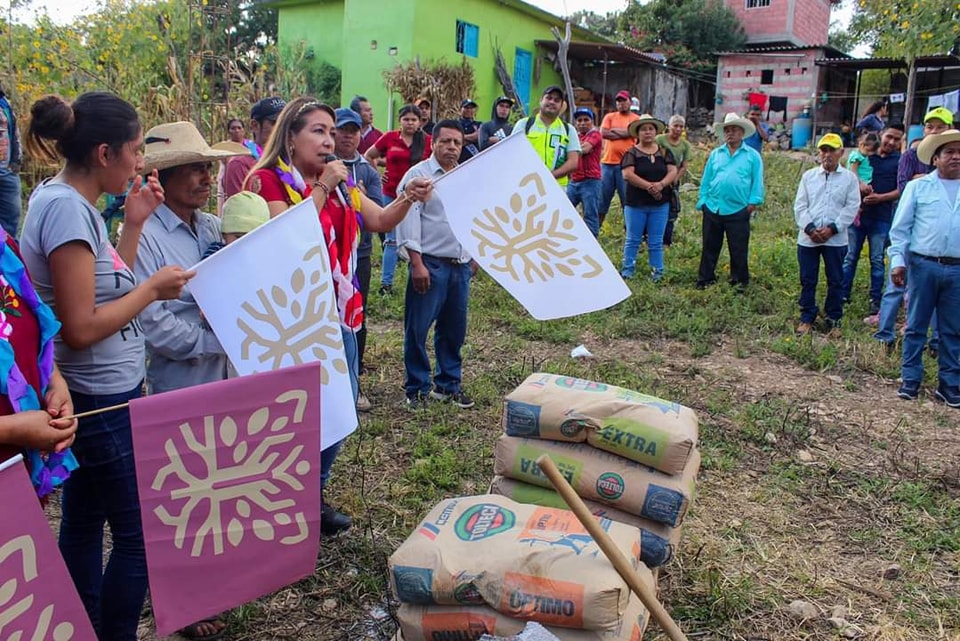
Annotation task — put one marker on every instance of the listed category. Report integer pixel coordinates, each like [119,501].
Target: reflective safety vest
[550,143]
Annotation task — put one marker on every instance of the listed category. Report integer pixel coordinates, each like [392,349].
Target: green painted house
[363,38]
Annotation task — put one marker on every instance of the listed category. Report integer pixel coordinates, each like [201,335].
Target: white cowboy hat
[634,127]
[930,144]
[736,120]
[179,143]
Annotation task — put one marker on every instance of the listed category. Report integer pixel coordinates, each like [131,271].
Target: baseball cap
[268,108]
[623,95]
[555,89]
[584,111]
[830,140]
[347,116]
[468,103]
[422,99]
[940,113]
[502,99]
[243,212]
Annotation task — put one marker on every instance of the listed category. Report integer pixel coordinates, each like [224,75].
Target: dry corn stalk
[444,83]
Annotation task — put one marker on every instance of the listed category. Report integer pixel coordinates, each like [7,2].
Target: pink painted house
[776,66]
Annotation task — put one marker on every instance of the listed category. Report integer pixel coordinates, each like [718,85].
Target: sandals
[193,633]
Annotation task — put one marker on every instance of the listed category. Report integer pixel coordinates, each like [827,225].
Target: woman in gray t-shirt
[100,349]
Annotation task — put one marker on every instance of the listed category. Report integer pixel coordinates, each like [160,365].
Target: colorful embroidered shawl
[50,470]
[341,250]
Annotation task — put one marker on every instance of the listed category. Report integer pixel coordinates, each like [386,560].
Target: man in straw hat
[182,351]
[731,189]
[926,236]
[827,201]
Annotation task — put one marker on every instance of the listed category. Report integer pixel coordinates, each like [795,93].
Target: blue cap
[348,117]
[584,111]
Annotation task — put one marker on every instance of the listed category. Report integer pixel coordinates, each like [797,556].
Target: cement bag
[601,476]
[470,622]
[657,541]
[641,428]
[526,561]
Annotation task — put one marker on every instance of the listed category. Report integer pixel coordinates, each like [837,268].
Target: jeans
[588,192]
[650,220]
[736,227]
[444,303]
[875,233]
[363,276]
[10,203]
[932,287]
[104,490]
[809,261]
[612,177]
[668,232]
[389,264]
[329,455]
[889,308]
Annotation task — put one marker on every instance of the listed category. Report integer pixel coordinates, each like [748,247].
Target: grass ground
[817,482]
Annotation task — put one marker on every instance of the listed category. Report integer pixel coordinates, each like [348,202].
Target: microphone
[341,188]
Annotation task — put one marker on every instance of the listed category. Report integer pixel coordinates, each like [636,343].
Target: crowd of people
[126,324]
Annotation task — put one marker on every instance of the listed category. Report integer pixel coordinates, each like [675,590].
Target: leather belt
[943,260]
[443,259]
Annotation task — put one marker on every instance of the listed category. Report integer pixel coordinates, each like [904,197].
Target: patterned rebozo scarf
[47,471]
[341,250]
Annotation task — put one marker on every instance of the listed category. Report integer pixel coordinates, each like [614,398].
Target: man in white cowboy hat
[182,350]
[925,234]
[731,189]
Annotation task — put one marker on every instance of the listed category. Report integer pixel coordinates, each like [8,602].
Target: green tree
[688,32]
[840,38]
[907,29]
[603,25]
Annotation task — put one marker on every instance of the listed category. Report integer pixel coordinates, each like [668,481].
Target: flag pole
[92,412]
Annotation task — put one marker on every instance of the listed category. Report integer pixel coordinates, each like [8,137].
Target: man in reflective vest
[555,140]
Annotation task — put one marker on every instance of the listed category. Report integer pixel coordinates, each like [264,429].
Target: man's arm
[473,136]
[902,228]
[568,167]
[876,199]
[851,204]
[168,334]
[801,208]
[757,190]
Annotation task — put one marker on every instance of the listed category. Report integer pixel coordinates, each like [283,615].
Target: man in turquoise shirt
[731,189]
[926,233]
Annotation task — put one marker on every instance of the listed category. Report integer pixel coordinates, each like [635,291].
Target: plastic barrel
[915,133]
[800,136]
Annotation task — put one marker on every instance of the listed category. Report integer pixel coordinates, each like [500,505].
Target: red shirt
[367,139]
[397,154]
[19,326]
[589,166]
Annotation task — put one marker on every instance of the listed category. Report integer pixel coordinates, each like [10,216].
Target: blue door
[522,73]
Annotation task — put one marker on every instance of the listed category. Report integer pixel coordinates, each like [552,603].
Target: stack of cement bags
[633,458]
[486,565]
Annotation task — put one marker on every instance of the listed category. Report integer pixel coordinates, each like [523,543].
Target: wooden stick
[93,412]
[610,549]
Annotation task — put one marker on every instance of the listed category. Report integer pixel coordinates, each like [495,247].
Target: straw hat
[179,143]
[634,127]
[736,120]
[930,144]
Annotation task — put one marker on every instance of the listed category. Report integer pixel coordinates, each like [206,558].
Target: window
[766,77]
[468,37]
[756,4]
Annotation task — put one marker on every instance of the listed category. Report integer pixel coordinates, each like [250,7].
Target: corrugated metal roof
[785,48]
[600,51]
[940,60]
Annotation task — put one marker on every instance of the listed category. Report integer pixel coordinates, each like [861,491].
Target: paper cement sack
[657,541]
[526,561]
[641,428]
[469,622]
[601,476]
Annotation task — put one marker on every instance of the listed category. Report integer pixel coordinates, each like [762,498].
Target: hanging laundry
[759,99]
[778,104]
